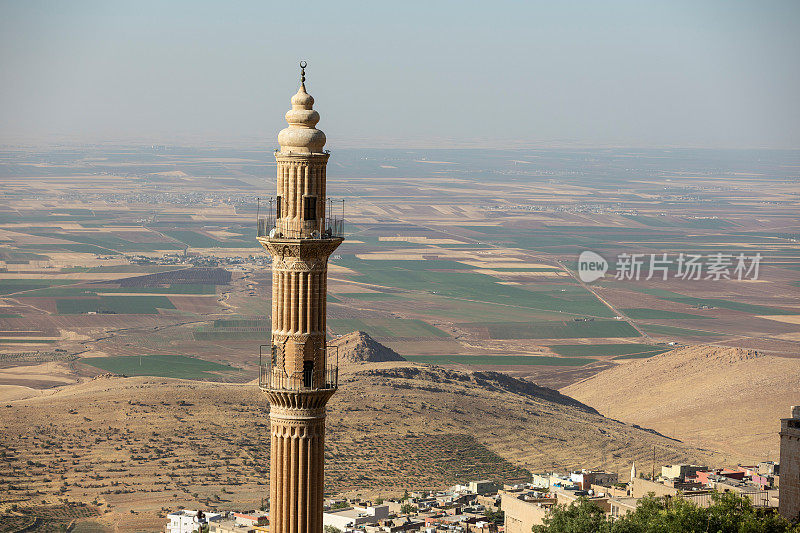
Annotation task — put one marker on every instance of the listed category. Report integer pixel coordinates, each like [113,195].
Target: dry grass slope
[144,443]
[728,399]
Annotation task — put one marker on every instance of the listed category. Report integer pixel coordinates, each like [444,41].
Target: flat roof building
[186,521]
[681,471]
[355,516]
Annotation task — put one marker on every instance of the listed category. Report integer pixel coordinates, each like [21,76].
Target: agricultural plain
[142,261]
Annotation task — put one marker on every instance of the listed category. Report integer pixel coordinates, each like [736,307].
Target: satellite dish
[272,233]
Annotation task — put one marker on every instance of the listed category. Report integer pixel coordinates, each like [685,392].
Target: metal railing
[758,498]
[277,229]
[272,373]
[273,226]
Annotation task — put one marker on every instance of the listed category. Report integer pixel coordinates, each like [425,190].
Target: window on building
[310,208]
[308,373]
[278,206]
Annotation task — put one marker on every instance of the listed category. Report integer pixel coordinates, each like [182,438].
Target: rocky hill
[143,443]
[727,399]
[358,347]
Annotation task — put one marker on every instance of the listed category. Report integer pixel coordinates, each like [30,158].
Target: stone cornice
[298,157]
[309,250]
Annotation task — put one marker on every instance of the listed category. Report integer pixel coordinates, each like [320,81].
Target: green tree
[581,516]
[727,513]
[407,508]
[331,529]
[498,517]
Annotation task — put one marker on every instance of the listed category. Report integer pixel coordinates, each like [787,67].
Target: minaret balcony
[331,228]
[303,223]
[273,376]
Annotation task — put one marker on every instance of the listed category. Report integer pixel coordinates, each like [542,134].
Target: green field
[165,366]
[644,313]
[383,327]
[22,340]
[61,291]
[500,360]
[656,329]
[127,305]
[222,335]
[94,290]
[106,242]
[133,269]
[713,302]
[589,350]
[367,295]
[643,355]
[559,329]
[242,322]
[9,286]
[428,276]
[199,240]
[656,222]
[176,288]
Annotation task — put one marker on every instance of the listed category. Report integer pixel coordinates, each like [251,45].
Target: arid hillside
[359,347]
[143,444]
[720,398]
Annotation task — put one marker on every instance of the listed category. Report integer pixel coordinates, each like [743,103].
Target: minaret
[296,374]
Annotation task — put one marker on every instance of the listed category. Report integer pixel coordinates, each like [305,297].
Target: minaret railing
[268,226]
[273,376]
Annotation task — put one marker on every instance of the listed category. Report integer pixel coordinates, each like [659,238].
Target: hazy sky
[495,73]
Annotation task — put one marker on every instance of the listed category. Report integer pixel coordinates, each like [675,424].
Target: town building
[484,486]
[586,478]
[186,521]
[529,506]
[351,517]
[524,510]
[251,519]
[553,479]
[680,471]
[789,495]
[296,372]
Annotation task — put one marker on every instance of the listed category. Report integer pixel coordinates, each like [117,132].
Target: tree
[331,529]
[727,513]
[581,516]
[407,508]
[498,517]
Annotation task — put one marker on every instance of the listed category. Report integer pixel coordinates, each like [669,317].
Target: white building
[185,521]
[355,516]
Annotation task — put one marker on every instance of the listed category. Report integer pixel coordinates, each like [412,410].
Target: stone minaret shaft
[297,377]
